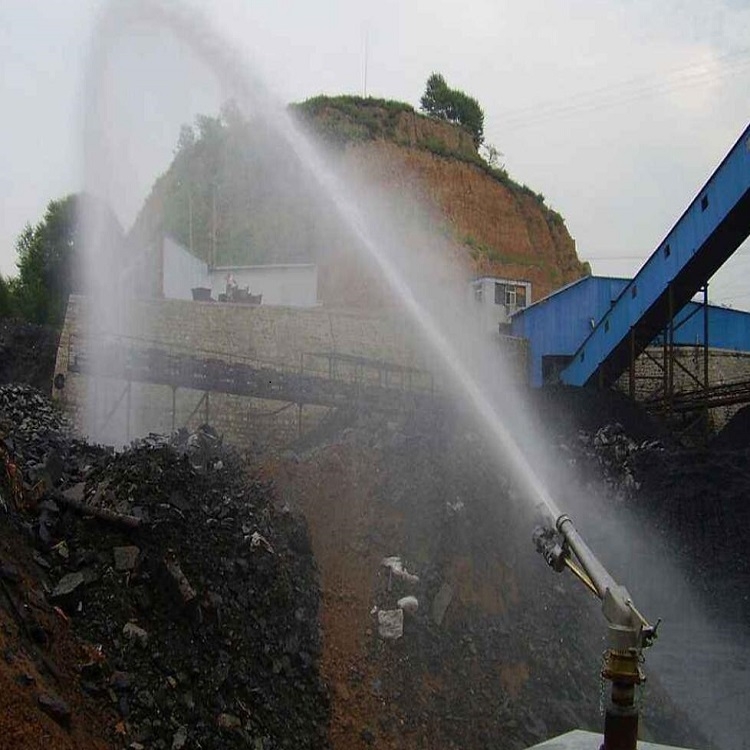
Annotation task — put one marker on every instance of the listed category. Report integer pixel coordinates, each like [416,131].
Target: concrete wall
[280,337]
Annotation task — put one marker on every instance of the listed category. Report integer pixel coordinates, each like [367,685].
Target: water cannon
[628,632]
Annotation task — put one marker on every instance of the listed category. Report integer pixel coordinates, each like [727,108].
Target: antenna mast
[364,81]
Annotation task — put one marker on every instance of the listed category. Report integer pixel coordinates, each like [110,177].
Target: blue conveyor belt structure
[714,225]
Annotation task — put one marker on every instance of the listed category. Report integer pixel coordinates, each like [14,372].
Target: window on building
[512,296]
[521,295]
[500,293]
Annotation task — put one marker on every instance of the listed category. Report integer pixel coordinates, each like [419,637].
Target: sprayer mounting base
[580,740]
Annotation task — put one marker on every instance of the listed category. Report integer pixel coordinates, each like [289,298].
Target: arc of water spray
[468,386]
[215,51]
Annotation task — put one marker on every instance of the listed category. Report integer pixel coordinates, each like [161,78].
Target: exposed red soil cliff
[493,226]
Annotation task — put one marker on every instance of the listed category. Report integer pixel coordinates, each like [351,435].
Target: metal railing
[325,378]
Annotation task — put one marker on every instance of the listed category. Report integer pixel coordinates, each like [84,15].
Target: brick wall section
[283,338]
[724,366]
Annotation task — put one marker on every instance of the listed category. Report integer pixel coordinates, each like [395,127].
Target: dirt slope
[500,653]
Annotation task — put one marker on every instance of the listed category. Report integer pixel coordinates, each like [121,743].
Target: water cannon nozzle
[551,546]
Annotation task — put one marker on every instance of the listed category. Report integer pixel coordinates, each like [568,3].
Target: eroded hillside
[236,195]
[496,226]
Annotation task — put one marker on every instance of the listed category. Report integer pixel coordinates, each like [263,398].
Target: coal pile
[616,456]
[444,627]
[736,432]
[34,433]
[695,499]
[199,594]
[698,500]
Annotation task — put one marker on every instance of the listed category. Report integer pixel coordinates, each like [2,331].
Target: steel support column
[706,385]
[669,394]
[128,403]
[631,378]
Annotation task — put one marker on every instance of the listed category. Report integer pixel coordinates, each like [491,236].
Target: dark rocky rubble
[198,594]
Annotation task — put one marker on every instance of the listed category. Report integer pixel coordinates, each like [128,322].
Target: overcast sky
[616,110]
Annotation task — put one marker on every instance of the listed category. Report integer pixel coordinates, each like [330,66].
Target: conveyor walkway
[714,225]
[378,385]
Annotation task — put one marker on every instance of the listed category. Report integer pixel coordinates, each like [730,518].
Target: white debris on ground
[398,569]
[390,623]
[409,604]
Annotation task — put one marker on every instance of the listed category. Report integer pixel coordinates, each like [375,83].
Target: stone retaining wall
[278,337]
[724,367]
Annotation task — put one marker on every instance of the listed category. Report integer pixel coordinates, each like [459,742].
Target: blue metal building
[556,326]
[711,229]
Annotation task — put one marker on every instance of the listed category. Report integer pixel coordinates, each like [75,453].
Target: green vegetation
[445,103]
[438,147]
[49,258]
[354,106]
[344,119]
[6,303]
[233,195]
[480,251]
[46,258]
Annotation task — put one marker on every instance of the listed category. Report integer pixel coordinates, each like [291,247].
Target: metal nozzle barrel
[596,572]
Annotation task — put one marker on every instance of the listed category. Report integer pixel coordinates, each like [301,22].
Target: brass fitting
[623,667]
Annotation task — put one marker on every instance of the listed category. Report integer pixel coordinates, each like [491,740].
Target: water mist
[427,286]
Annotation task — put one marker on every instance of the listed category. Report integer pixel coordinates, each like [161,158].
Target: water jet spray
[628,631]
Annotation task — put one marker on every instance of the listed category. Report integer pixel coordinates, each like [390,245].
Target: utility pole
[190,217]
[364,81]
[212,262]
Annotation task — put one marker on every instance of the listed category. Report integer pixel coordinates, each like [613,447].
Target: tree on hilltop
[445,103]
[436,100]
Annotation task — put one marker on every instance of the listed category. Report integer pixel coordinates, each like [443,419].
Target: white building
[287,284]
[497,299]
[181,272]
